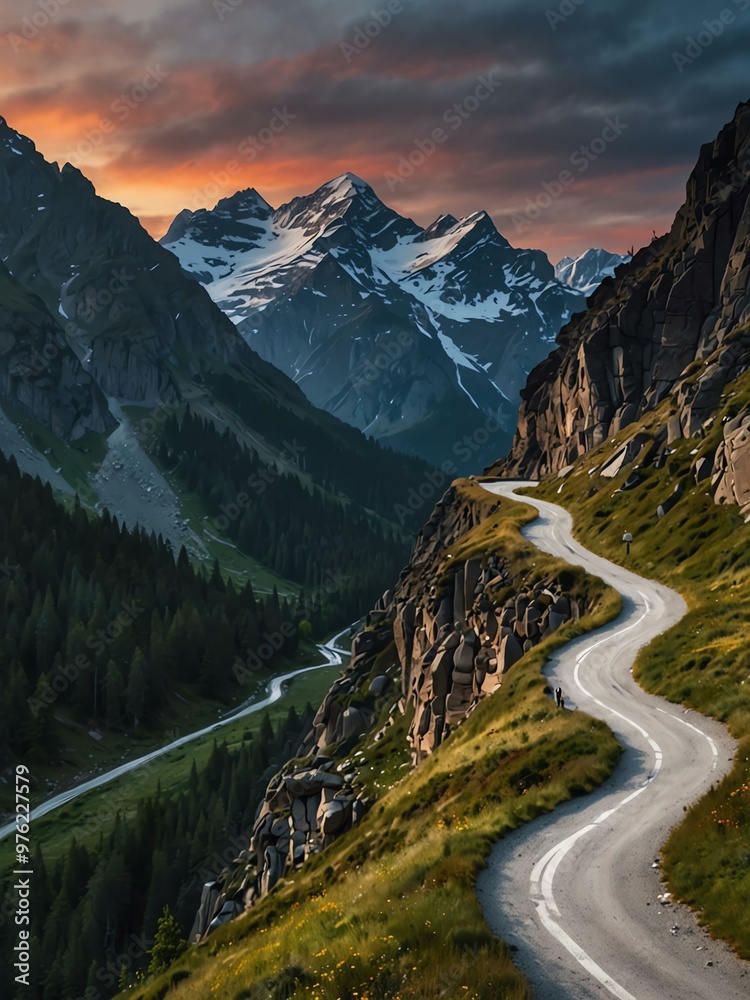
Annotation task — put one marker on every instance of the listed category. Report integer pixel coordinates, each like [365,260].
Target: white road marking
[543,872]
[580,955]
[714,748]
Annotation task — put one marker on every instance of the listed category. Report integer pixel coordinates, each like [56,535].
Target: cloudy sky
[573,123]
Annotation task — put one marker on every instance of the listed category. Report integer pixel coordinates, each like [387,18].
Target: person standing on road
[558,697]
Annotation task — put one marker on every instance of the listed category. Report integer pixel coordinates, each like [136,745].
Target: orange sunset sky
[170,104]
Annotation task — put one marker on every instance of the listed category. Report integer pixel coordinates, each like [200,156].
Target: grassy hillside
[703,551]
[389,910]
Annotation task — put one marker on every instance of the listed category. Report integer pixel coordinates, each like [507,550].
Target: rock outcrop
[674,322]
[730,472]
[313,799]
[460,628]
[432,648]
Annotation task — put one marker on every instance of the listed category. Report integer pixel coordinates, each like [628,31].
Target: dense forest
[104,622]
[338,457]
[96,910]
[300,532]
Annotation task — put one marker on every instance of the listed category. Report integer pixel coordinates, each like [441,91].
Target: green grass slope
[389,910]
[703,551]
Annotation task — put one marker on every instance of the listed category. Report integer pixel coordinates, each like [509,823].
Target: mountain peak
[478,220]
[347,183]
[346,198]
[14,140]
[442,225]
[242,204]
[587,271]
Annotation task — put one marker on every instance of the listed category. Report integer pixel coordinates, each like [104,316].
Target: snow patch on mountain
[586,272]
[321,285]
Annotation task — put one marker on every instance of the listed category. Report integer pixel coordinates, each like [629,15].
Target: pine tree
[135,692]
[114,687]
[168,943]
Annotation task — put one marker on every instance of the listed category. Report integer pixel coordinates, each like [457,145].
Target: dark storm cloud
[363,93]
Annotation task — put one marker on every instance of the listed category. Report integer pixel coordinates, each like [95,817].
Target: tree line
[101,624]
[291,526]
[96,911]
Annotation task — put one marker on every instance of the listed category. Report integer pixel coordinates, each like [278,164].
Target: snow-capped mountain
[587,272]
[414,335]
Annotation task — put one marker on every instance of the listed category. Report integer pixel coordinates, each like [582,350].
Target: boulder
[403,633]
[280,828]
[334,818]
[231,909]
[510,652]
[472,573]
[379,685]
[459,607]
[299,815]
[440,673]
[556,620]
[464,655]
[209,896]
[352,723]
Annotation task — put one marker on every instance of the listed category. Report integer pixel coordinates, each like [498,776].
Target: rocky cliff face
[118,296]
[459,629]
[432,649]
[39,372]
[674,322]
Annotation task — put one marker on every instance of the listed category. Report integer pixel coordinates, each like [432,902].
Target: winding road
[332,656]
[577,892]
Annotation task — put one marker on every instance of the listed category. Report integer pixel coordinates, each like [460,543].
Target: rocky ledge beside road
[432,648]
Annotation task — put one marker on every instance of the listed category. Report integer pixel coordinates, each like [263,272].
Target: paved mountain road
[332,656]
[576,891]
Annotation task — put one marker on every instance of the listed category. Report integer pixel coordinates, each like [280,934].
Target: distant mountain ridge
[107,348]
[586,272]
[415,335]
